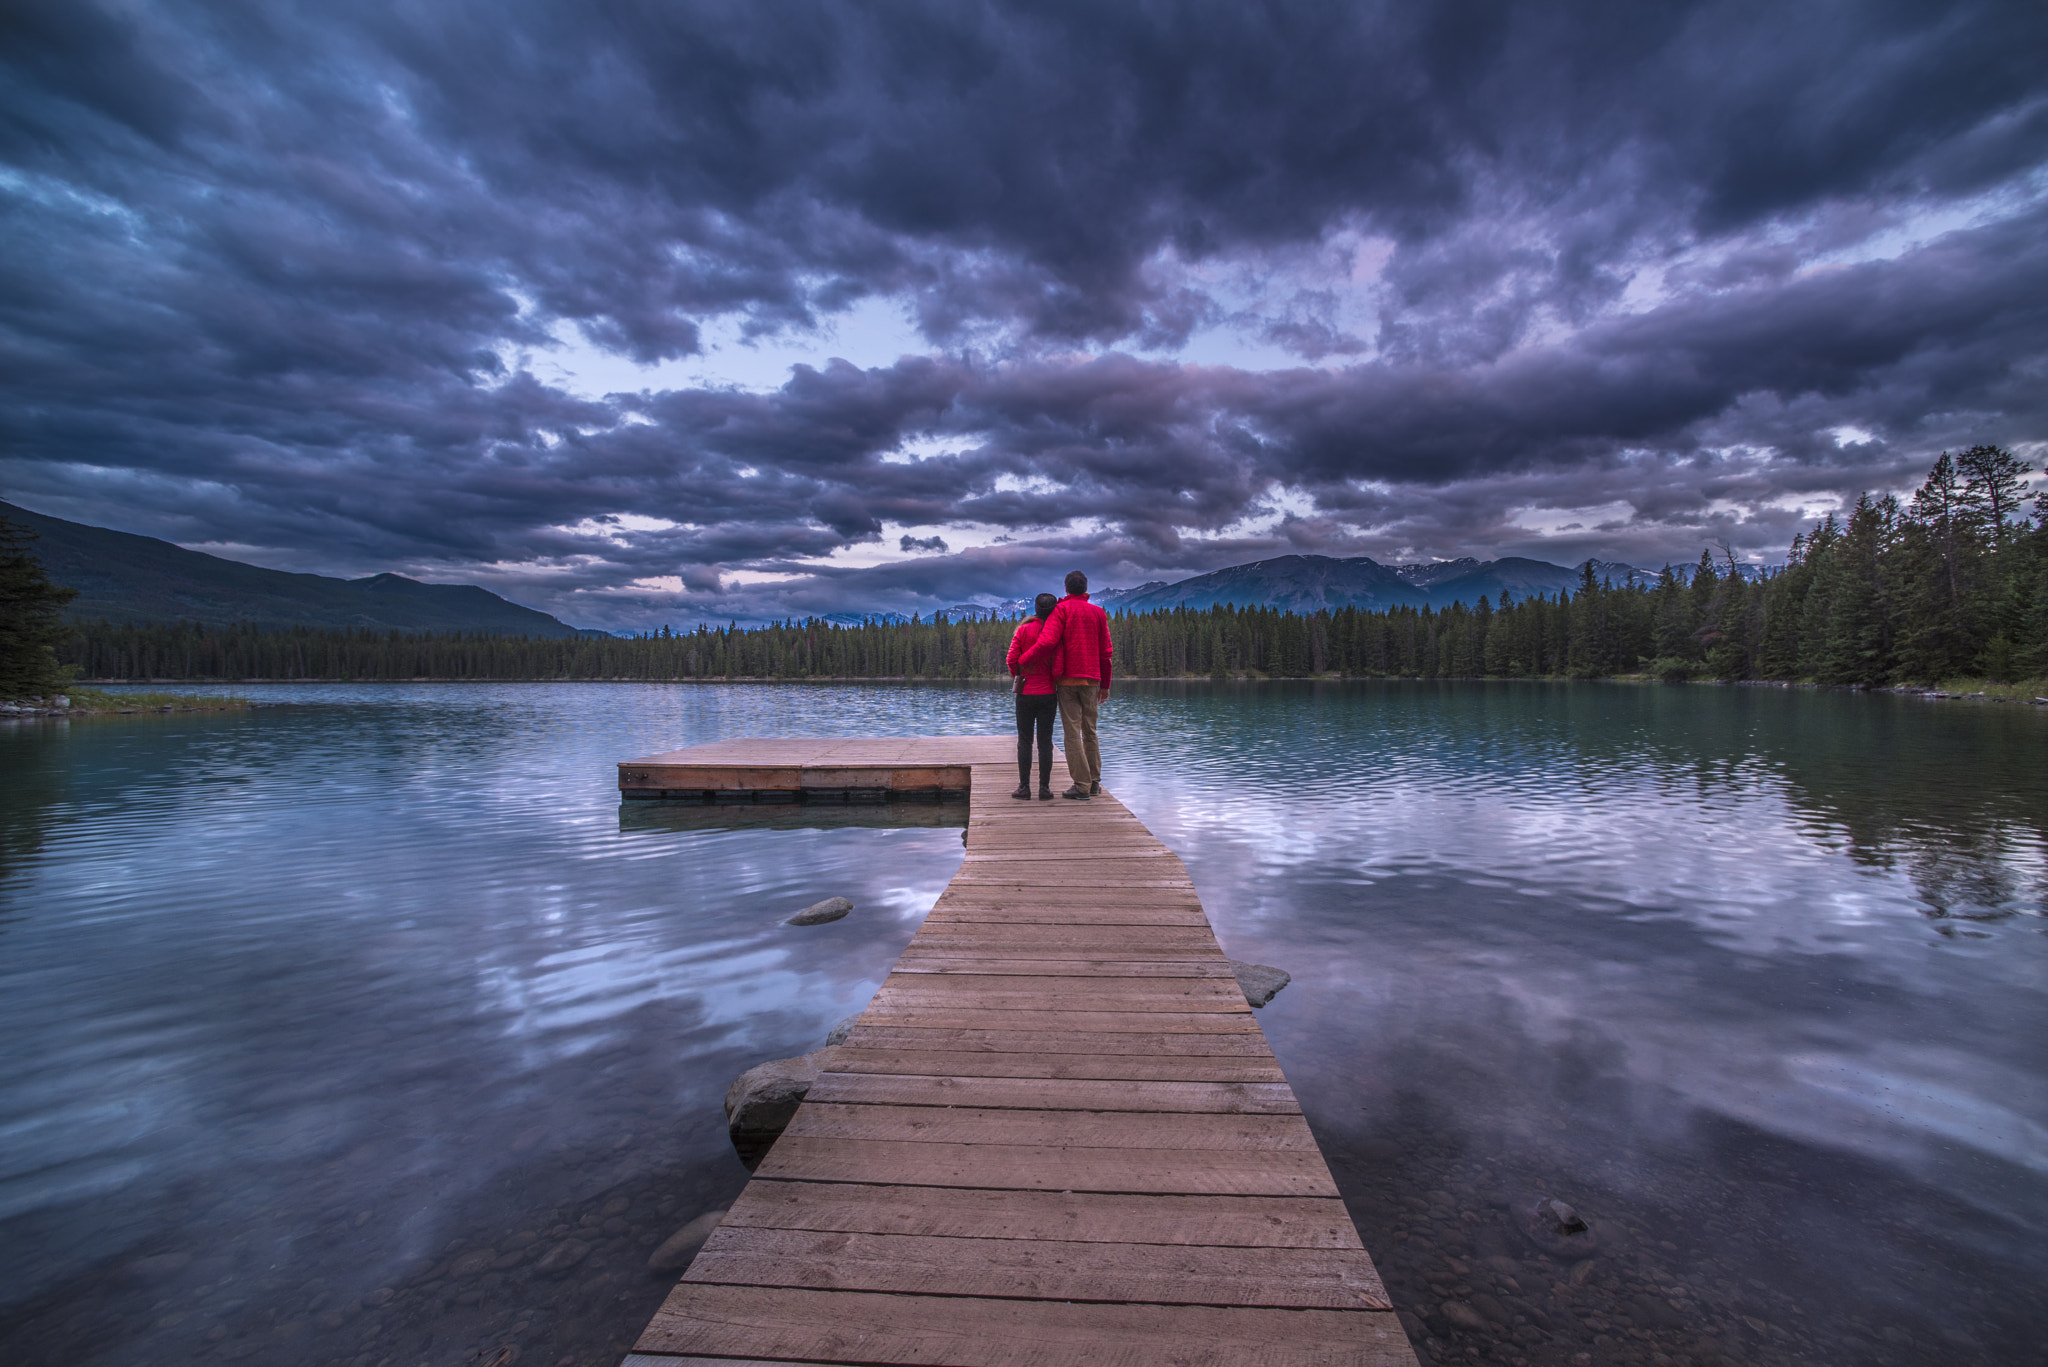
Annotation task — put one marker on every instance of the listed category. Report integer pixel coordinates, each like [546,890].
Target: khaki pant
[1077,731]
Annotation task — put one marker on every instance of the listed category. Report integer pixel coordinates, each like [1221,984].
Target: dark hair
[1077,582]
[1044,604]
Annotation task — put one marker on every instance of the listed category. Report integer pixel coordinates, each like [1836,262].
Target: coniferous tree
[1937,560]
[1994,485]
[1917,595]
[1854,635]
[31,621]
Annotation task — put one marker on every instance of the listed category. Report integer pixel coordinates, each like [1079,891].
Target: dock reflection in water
[373,1027]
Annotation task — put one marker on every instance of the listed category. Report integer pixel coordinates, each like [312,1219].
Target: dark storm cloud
[269,265]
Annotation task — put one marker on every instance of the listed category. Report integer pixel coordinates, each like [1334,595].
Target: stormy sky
[671,312]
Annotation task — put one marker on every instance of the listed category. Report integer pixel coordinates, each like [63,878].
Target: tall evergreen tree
[31,621]
[1937,562]
[1853,633]
[1994,487]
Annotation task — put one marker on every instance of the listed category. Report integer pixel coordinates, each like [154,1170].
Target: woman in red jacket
[1036,702]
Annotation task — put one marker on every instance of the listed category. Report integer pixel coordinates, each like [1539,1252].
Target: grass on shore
[98,700]
[2025,690]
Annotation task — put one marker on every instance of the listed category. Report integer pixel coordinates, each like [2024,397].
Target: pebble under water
[368,1027]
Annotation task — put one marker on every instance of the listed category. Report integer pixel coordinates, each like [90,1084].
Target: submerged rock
[1259,981]
[562,1257]
[761,1101]
[818,913]
[1554,1228]
[838,1033]
[676,1251]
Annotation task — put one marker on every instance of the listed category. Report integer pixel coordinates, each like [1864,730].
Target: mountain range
[129,578]
[1310,583]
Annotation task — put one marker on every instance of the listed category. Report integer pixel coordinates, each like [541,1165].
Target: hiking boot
[1095,790]
[1022,790]
[1045,793]
[1077,792]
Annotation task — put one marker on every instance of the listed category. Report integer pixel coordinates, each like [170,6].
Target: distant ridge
[129,578]
[1310,583]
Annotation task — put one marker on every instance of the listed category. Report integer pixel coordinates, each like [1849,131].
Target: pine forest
[1950,584]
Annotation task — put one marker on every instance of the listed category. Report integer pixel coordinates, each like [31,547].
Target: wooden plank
[1069,1132]
[1199,939]
[1010,944]
[1009,991]
[996,963]
[964,912]
[1172,1218]
[980,855]
[1033,1167]
[907,779]
[1107,907]
[1027,844]
[854,1088]
[1017,893]
[1081,1021]
[933,1331]
[1118,879]
[883,1033]
[1063,823]
[940,992]
[1161,1274]
[1138,1065]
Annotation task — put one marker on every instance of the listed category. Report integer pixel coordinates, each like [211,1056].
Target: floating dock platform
[1055,1138]
[932,768]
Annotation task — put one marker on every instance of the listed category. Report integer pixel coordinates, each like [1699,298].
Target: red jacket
[1074,642]
[1039,680]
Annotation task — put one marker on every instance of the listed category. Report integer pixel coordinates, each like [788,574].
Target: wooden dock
[1055,1137]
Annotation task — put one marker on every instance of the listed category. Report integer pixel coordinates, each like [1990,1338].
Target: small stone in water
[818,913]
[1259,981]
[562,1257]
[762,1100]
[838,1033]
[470,1264]
[677,1250]
[1554,1228]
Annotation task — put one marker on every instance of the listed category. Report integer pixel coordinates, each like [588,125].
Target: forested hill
[127,578]
[1952,584]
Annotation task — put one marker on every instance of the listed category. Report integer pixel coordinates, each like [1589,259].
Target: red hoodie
[1074,643]
[1038,680]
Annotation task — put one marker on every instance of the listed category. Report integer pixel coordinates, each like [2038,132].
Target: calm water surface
[325,1026]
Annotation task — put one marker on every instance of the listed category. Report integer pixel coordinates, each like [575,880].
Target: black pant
[1035,710]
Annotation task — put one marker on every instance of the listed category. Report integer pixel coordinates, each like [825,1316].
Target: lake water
[321,1023]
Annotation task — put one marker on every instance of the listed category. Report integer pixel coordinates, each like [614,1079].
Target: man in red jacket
[1075,640]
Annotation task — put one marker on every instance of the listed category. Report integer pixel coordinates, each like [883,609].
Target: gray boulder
[1259,981]
[818,913]
[838,1033]
[562,1257]
[761,1101]
[675,1252]
[1553,1227]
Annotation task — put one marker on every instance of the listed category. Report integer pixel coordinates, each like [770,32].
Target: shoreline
[1984,690]
[99,704]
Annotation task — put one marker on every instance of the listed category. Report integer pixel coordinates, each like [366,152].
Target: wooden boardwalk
[1055,1136]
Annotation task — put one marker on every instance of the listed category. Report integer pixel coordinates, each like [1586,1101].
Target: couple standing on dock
[1060,657]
